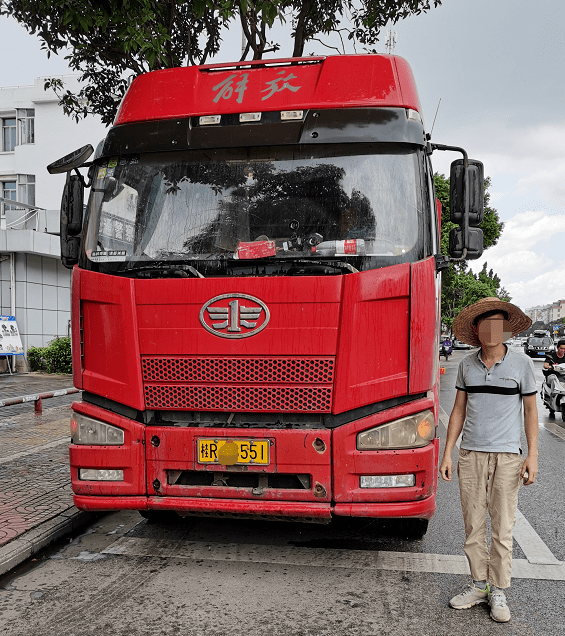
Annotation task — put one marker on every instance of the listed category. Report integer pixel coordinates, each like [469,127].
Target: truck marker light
[104,474]
[413,114]
[208,120]
[287,115]
[245,117]
[387,481]
[424,428]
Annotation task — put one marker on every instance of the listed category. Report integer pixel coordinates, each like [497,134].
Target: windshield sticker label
[101,173]
[110,256]
[256,249]
[113,162]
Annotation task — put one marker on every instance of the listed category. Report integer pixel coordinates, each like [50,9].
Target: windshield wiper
[338,265]
[163,270]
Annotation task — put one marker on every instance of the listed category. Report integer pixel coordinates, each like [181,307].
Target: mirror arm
[84,184]
[466,186]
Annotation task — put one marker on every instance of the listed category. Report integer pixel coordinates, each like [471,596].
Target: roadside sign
[10,341]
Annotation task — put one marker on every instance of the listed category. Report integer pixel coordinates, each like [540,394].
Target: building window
[26,125]
[26,189]
[9,192]
[8,134]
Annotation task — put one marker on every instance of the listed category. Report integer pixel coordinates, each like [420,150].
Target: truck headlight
[409,432]
[85,430]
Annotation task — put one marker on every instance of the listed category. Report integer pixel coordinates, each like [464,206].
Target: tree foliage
[110,41]
[460,286]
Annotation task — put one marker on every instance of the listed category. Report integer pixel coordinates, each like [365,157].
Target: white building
[547,313]
[34,286]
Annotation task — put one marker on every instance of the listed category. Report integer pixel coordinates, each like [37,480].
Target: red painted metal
[291,453]
[111,363]
[354,339]
[334,82]
[395,510]
[76,327]
[260,508]
[111,502]
[350,463]
[424,326]
[372,357]
[130,458]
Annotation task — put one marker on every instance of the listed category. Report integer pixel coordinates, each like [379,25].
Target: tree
[460,286]
[111,41]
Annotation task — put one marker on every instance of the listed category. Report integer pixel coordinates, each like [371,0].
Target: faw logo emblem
[234,316]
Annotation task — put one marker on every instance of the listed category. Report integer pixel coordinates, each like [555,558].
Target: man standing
[493,384]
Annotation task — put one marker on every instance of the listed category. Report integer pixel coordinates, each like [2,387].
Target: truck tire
[414,528]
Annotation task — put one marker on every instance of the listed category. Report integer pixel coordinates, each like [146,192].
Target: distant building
[547,313]
[34,286]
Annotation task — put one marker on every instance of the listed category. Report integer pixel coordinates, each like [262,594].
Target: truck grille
[295,370]
[239,384]
[238,398]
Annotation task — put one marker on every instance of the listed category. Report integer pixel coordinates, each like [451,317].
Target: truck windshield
[358,203]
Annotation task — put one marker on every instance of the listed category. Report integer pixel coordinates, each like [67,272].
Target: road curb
[34,540]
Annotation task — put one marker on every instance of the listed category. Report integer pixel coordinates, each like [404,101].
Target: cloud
[524,261]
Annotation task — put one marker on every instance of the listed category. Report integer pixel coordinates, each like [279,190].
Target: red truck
[255,295]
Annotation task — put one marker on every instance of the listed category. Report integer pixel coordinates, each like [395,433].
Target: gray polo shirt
[494,401]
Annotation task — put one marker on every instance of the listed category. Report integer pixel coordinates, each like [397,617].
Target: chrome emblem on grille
[234,316]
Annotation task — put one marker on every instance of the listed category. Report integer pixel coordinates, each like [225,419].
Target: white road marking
[554,428]
[318,557]
[537,553]
[35,449]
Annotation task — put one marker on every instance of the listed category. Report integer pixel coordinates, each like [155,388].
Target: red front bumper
[335,471]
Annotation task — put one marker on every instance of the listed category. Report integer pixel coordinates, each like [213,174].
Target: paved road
[217,577]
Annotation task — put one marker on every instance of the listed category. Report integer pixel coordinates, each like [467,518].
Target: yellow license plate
[228,452]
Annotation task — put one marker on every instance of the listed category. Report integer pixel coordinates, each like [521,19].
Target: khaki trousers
[489,481]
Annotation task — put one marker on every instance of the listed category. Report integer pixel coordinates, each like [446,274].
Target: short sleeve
[460,382]
[528,382]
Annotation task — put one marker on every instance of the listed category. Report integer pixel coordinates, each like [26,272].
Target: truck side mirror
[457,192]
[475,242]
[71,220]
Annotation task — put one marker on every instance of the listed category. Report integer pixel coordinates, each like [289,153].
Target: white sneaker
[471,596]
[499,611]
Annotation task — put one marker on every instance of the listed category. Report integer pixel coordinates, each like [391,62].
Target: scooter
[553,391]
[445,351]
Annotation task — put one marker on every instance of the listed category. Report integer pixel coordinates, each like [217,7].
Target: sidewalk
[36,505]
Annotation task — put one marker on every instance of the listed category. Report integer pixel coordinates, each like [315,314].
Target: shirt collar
[479,357]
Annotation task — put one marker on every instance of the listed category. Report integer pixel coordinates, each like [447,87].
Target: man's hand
[446,468]
[529,466]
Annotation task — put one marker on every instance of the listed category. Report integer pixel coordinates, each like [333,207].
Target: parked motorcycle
[553,391]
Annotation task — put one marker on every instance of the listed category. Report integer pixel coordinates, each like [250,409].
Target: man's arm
[531,428]
[454,428]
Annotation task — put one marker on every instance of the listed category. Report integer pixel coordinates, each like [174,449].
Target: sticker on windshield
[113,162]
[109,256]
[101,173]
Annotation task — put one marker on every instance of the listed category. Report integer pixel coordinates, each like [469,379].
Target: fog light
[387,481]
[101,474]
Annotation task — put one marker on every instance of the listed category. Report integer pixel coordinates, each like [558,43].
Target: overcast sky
[498,68]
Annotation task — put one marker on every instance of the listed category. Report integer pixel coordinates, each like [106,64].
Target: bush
[36,359]
[55,358]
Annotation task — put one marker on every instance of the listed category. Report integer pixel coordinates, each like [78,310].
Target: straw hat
[463,324]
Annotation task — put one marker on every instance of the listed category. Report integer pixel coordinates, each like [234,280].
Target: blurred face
[561,351]
[493,330]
